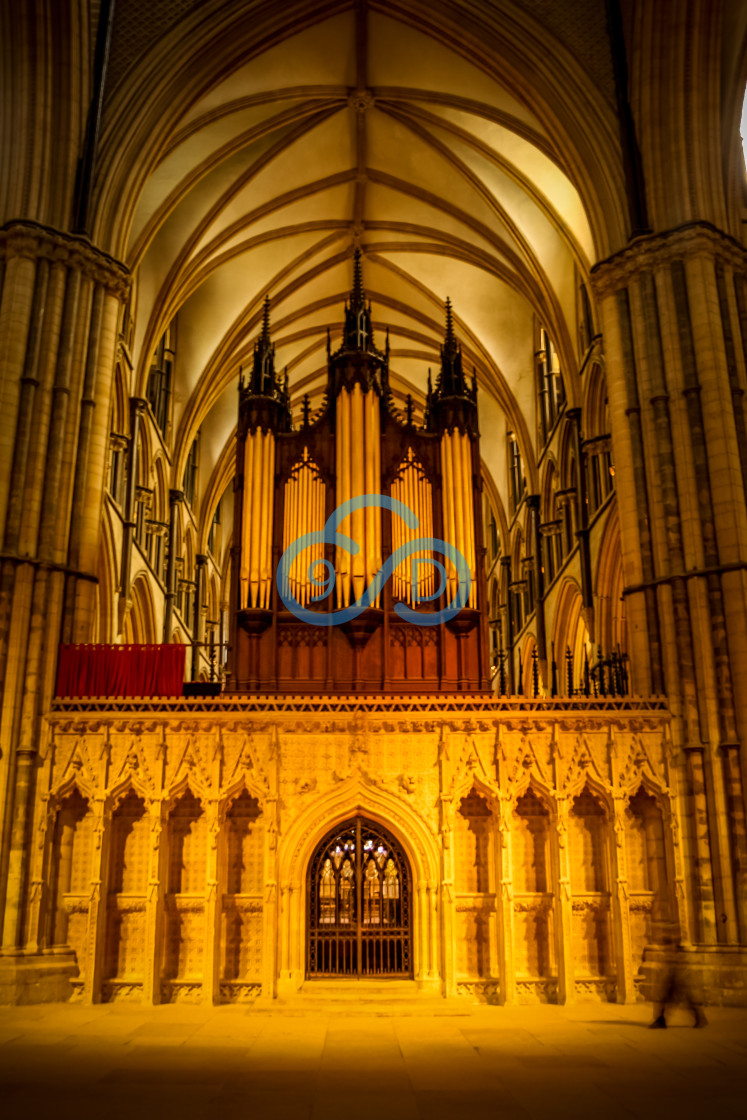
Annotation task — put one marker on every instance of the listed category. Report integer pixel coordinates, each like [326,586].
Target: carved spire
[263,382]
[453,400]
[357,359]
[357,296]
[449,339]
[451,381]
[358,334]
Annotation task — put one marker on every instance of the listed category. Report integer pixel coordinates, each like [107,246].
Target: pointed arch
[596,411]
[609,585]
[570,633]
[140,621]
[106,629]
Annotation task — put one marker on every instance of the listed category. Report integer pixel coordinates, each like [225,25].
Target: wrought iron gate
[359,904]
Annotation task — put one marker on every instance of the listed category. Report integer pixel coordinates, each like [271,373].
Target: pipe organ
[303,512]
[410,485]
[331,629]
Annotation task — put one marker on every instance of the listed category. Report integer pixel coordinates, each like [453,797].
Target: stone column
[738,831]
[153,947]
[284,937]
[675,349]
[621,906]
[96,933]
[505,563]
[198,621]
[39,919]
[564,907]
[533,504]
[211,961]
[59,308]
[504,895]
[433,970]
[270,927]
[704,903]
[448,901]
[582,504]
[296,935]
[138,407]
[175,497]
[423,917]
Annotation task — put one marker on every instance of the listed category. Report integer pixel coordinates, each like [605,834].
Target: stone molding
[653,251]
[37,242]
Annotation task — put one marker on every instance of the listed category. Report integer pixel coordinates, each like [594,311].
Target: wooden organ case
[289,481]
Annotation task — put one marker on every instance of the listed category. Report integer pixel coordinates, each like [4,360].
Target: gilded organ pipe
[459,521]
[343,558]
[304,513]
[254,446]
[411,487]
[259,466]
[357,451]
[358,463]
[371,484]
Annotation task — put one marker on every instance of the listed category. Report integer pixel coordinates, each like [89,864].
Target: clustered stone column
[59,308]
[675,326]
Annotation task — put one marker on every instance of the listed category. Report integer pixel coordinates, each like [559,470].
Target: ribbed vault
[323,128]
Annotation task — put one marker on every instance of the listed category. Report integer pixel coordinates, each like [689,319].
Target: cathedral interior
[484,263]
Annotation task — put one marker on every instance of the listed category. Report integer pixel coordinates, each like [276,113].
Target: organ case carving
[290,479]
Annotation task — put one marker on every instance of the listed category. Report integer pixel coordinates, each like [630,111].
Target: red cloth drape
[137,670]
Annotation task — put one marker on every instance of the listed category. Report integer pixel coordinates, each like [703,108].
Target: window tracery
[359,906]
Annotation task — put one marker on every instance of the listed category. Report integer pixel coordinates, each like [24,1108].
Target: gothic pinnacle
[357,297]
[449,324]
[266,320]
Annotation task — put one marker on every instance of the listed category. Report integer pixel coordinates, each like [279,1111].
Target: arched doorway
[359,904]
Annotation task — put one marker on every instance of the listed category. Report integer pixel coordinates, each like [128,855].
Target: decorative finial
[449,322]
[266,319]
[357,297]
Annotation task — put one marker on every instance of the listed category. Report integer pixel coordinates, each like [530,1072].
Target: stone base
[715,974]
[37,978]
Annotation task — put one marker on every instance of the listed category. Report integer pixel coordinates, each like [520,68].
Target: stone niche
[175,842]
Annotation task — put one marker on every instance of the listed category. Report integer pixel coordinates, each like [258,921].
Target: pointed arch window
[191,470]
[359,904]
[517,481]
[160,378]
[550,387]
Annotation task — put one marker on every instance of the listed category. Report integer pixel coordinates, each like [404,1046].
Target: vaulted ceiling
[358,131]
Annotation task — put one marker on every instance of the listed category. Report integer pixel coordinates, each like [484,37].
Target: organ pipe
[256,551]
[411,487]
[303,499]
[358,463]
[458,504]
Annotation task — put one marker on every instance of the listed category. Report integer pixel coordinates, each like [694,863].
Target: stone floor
[590,1060]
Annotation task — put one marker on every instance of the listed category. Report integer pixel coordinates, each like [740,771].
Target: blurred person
[675,988]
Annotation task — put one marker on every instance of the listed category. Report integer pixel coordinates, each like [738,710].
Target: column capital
[652,251]
[25,238]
